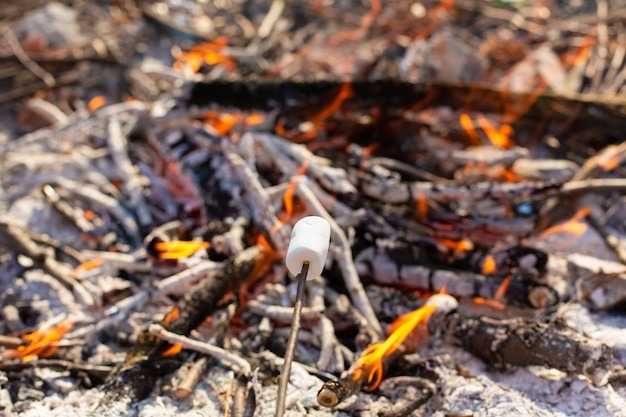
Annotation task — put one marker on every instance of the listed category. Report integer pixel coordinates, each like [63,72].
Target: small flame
[172,350]
[468,126]
[87,266]
[208,52]
[499,295]
[492,303]
[498,137]
[288,198]
[96,102]
[266,257]
[344,94]
[489,265]
[581,54]
[367,152]
[574,226]
[42,342]
[371,361]
[458,246]
[177,249]
[172,315]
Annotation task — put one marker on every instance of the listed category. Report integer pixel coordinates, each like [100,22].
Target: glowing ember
[96,102]
[574,226]
[371,361]
[489,265]
[177,249]
[40,343]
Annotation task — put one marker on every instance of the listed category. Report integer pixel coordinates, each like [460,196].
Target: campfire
[467,158]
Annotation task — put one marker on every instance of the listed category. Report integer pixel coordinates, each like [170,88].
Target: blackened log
[601,115]
[523,342]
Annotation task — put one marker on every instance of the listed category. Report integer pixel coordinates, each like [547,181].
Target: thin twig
[23,57]
[342,250]
[236,363]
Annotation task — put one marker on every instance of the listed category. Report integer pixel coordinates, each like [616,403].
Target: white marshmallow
[310,238]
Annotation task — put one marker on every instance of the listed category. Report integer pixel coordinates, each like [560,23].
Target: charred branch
[523,342]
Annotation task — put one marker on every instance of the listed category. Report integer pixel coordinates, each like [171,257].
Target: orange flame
[371,361]
[42,342]
[489,265]
[573,226]
[177,249]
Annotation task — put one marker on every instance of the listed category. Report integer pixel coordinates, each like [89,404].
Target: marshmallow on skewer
[310,238]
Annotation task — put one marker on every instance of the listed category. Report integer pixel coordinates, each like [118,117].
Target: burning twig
[42,342]
[368,370]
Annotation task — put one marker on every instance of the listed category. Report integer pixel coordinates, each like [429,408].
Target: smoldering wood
[127,382]
[397,192]
[387,269]
[522,342]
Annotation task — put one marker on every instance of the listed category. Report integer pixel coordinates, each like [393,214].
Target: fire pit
[467,156]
